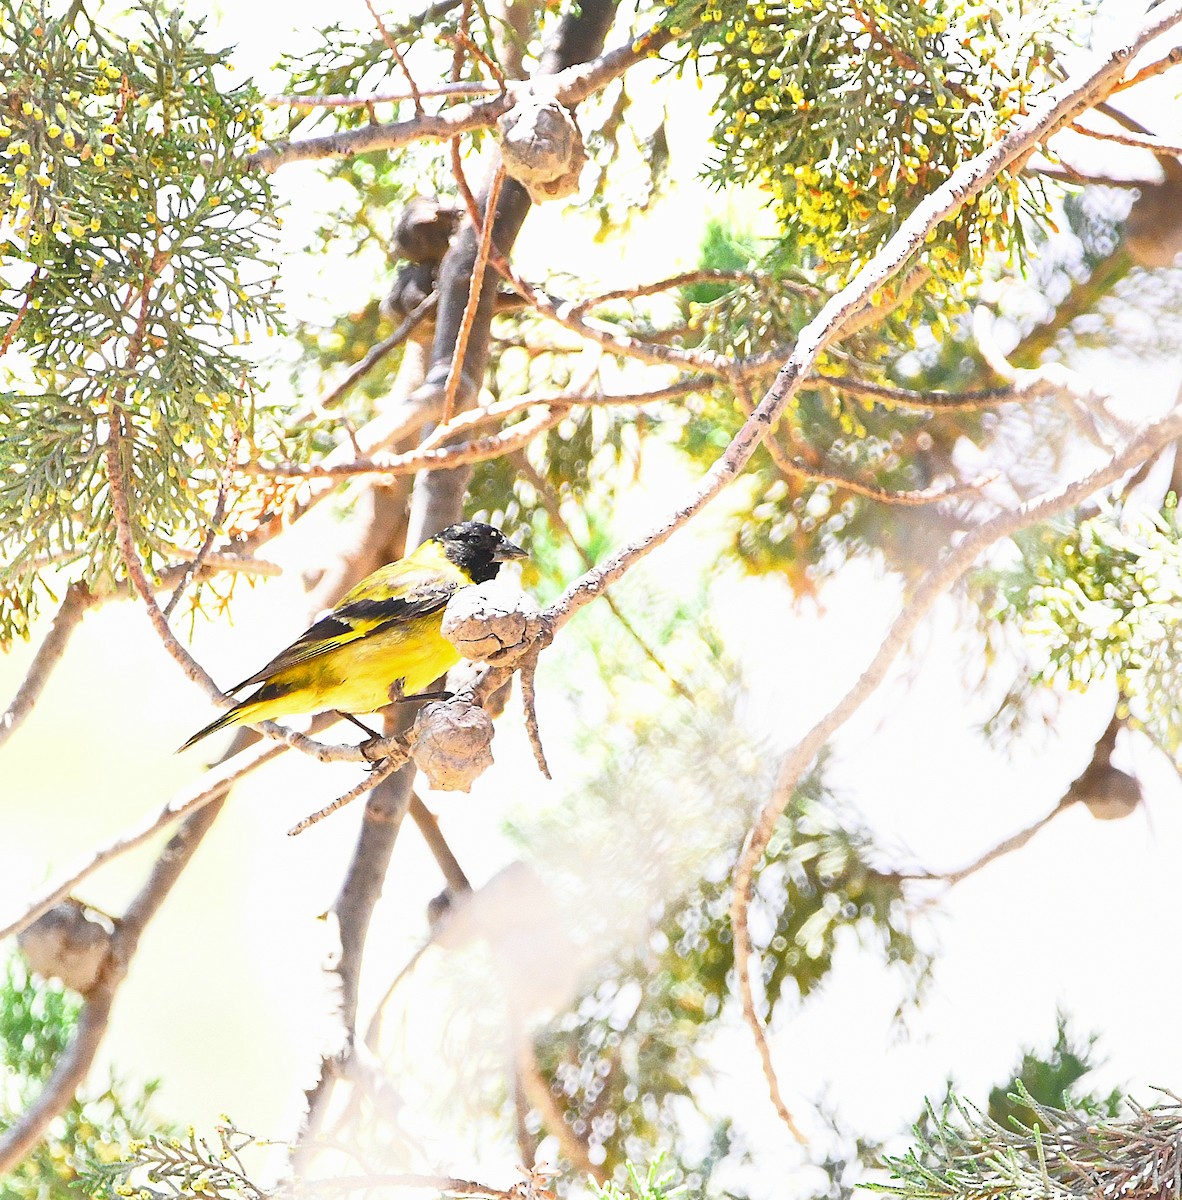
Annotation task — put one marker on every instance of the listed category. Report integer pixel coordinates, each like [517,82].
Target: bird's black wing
[357,618]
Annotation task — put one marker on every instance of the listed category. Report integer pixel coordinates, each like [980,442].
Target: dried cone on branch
[542,148]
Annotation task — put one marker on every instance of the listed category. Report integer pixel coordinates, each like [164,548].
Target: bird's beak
[506,550]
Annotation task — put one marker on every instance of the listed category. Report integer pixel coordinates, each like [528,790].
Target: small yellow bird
[382,641]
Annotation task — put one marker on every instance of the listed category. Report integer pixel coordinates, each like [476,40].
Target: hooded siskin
[382,636]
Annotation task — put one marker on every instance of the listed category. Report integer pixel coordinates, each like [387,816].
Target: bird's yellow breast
[360,676]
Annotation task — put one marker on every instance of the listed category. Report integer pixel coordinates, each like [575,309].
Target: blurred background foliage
[100,1125]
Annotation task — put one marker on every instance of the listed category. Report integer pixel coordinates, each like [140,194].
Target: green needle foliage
[654,1184]
[129,267]
[1052,1078]
[209,1167]
[1063,1155]
[849,114]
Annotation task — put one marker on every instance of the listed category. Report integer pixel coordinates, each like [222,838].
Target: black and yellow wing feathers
[375,605]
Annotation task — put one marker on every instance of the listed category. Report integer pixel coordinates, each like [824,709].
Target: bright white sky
[227,985]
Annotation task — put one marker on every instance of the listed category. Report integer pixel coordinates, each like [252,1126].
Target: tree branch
[439,89]
[956,563]
[475,290]
[214,784]
[77,601]
[72,1067]
[444,458]
[448,864]
[568,87]
[375,355]
[125,537]
[1154,68]
[1032,385]
[1152,144]
[69,1072]
[1006,846]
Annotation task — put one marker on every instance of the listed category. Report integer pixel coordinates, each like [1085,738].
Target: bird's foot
[398,694]
[360,724]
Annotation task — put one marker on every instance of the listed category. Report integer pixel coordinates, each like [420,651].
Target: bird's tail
[232,717]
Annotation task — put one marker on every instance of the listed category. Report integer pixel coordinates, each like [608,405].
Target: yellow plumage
[382,639]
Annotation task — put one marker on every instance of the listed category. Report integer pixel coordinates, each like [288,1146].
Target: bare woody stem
[455,371]
[213,785]
[77,601]
[125,538]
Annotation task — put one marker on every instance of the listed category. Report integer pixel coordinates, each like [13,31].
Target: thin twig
[475,288]
[1097,775]
[15,324]
[215,521]
[50,652]
[448,864]
[465,188]
[376,353]
[1141,142]
[1154,68]
[565,401]
[394,759]
[214,783]
[916,498]
[125,539]
[414,461]
[541,1099]
[892,297]
[435,1183]
[1030,385]
[439,89]
[553,509]
[812,472]
[373,1031]
[900,56]
[529,702]
[392,46]
[687,279]
[1007,846]
[462,41]
[566,314]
